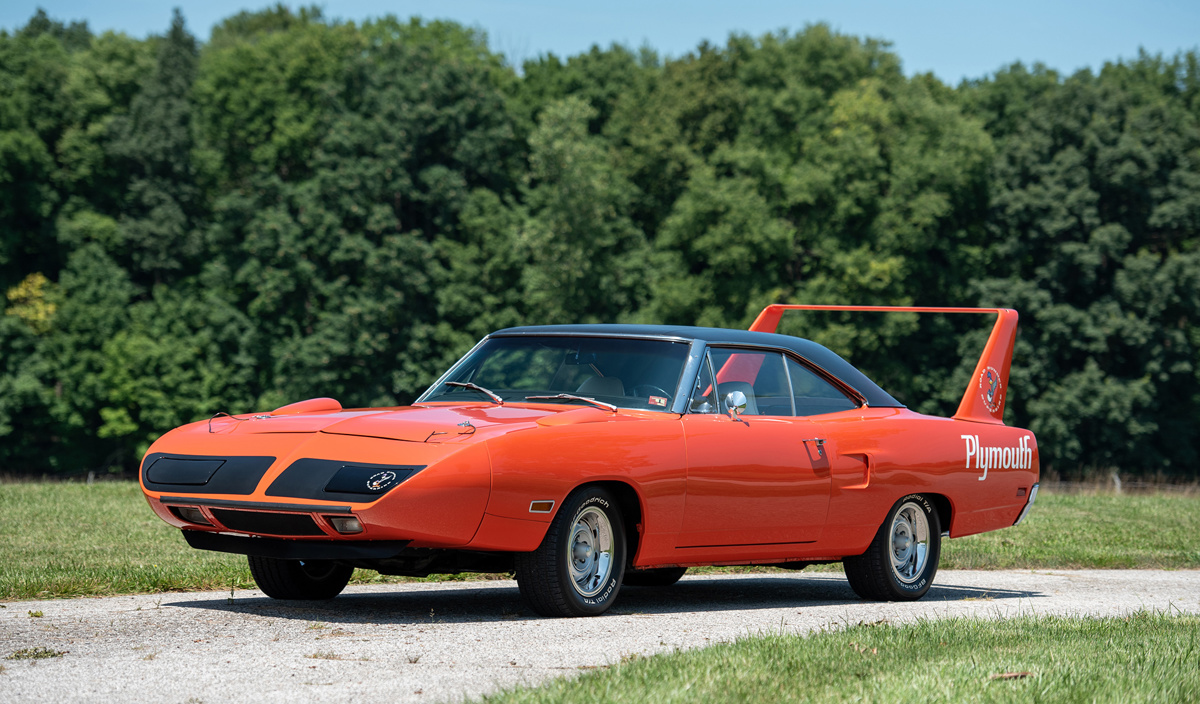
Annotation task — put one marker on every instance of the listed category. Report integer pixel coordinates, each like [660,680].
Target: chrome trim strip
[691,368]
[791,387]
[804,362]
[748,545]
[1028,505]
[611,335]
[253,505]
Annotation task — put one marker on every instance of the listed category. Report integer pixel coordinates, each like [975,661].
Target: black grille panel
[170,470]
[202,474]
[268,523]
[335,480]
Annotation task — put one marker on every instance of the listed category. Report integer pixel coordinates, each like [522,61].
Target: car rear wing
[983,401]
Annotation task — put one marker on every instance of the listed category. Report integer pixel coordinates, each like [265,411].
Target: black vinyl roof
[819,355]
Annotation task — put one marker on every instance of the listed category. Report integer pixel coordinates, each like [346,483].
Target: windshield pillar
[695,361]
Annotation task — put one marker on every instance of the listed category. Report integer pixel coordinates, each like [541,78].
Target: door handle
[819,441]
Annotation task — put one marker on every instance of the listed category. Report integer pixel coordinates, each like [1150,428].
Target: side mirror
[735,402]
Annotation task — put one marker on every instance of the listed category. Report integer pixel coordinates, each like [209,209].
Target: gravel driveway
[443,642]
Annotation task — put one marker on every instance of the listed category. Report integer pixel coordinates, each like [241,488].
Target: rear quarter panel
[880,455]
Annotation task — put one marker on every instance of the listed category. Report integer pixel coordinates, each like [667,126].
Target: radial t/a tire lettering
[903,557]
[577,570]
[299,579]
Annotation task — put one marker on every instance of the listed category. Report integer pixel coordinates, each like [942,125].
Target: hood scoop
[312,405]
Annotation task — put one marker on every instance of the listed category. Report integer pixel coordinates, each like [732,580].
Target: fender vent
[267,523]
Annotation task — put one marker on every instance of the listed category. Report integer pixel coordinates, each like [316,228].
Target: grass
[62,539]
[68,539]
[1145,657]
[75,539]
[1091,530]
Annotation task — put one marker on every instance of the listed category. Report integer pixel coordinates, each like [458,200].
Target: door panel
[753,481]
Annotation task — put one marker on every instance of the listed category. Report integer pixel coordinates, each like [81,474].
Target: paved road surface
[443,642]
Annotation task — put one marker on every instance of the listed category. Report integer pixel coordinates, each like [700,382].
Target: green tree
[33,64]
[335,254]
[1093,221]
[160,224]
[306,207]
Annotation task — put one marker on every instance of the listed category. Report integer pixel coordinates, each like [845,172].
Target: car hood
[432,423]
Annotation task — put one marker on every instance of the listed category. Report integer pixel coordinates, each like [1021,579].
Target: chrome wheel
[577,569]
[902,560]
[910,543]
[591,552]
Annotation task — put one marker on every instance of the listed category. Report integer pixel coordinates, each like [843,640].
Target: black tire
[895,568]
[299,579]
[577,569]
[659,577]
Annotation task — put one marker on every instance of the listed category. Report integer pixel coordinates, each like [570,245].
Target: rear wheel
[299,579]
[661,577]
[577,569]
[903,557]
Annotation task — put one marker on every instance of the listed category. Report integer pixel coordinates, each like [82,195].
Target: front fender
[547,463]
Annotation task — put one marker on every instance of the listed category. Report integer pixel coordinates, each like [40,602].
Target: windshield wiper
[476,387]
[573,397]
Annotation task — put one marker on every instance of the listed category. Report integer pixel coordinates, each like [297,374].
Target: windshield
[626,373]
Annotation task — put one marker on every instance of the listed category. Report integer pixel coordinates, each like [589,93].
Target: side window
[813,395]
[759,375]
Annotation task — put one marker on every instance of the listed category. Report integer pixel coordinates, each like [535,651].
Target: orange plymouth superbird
[585,458]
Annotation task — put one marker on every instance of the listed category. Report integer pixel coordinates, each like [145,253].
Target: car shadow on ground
[489,603]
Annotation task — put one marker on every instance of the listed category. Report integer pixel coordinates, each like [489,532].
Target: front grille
[203,474]
[268,523]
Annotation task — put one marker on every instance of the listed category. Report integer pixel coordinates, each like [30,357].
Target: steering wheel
[647,390]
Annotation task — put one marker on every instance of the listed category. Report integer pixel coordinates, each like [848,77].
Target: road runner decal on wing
[991,389]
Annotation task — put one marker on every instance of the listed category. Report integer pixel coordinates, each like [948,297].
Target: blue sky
[954,40]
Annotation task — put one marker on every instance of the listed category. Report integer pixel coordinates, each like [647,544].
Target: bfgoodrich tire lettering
[577,569]
[903,557]
[299,579]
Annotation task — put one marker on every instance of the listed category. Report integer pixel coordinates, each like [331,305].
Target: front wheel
[577,569]
[299,579]
[903,558]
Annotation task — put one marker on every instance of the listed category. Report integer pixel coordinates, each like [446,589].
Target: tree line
[303,207]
